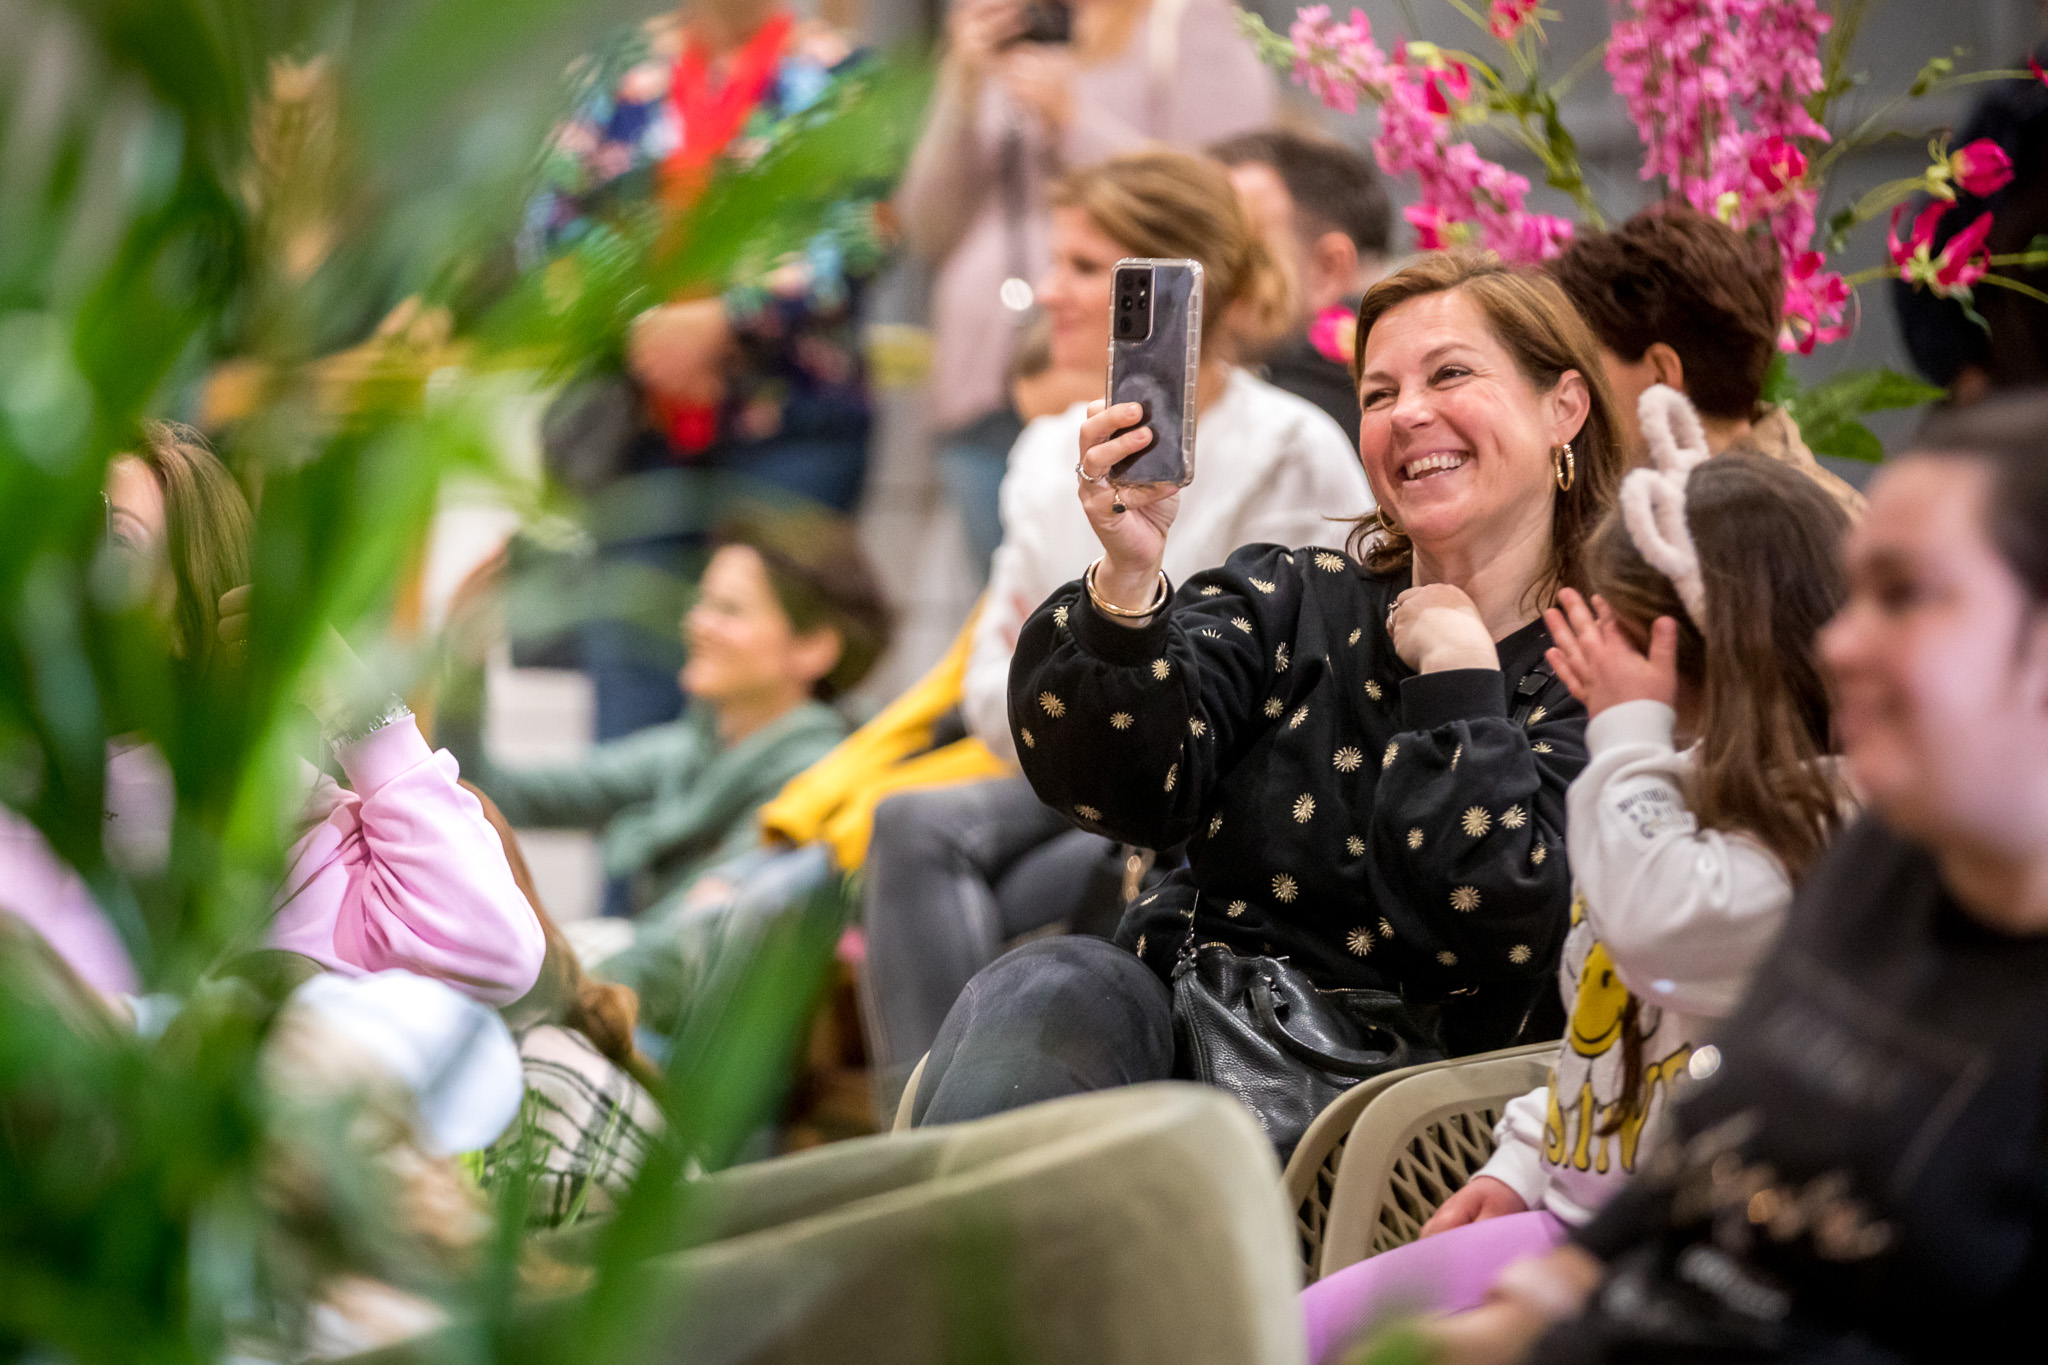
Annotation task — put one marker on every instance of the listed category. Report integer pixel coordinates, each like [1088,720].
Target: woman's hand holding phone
[1133,540]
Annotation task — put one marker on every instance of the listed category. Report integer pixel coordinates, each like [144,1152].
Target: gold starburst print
[1300,714]
[1172,775]
[1208,634]
[1519,954]
[1088,812]
[1197,726]
[1374,690]
[1051,705]
[1059,616]
[1354,845]
[1284,889]
[1304,808]
[1415,838]
[1514,817]
[1280,659]
[1235,908]
[1357,633]
[1261,584]
[1348,759]
[1242,624]
[1386,928]
[1393,752]
[1359,941]
[1328,562]
[1447,958]
[1024,733]
[1160,668]
[1141,945]
[1476,821]
[1541,746]
[1212,591]
[1538,854]
[1457,754]
[1536,713]
[1274,706]
[1215,824]
[1465,899]
[1122,720]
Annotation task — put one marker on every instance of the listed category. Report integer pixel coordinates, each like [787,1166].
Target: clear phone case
[1155,356]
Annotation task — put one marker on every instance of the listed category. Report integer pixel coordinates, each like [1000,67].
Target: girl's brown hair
[1769,542]
[1531,317]
[1171,204]
[207,531]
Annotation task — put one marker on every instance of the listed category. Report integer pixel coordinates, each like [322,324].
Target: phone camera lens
[1123,327]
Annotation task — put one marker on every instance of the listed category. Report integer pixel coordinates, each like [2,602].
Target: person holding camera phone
[1030,89]
[1366,756]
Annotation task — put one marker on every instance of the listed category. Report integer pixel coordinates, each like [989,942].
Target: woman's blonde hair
[1171,204]
[1532,318]
[208,529]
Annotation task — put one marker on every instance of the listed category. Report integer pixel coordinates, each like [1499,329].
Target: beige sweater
[1775,434]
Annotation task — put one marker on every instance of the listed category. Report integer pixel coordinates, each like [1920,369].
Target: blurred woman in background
[1027,92]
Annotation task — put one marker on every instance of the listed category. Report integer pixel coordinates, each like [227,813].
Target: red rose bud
[1981,168]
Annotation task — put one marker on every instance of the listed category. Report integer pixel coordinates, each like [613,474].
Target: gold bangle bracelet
[1108,608]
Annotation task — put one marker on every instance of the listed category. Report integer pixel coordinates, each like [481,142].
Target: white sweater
[1269,467]
[1670,915]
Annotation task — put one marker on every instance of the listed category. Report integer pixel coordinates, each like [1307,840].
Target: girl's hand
[1482,1197]
[1041,79]
[1435,627]
[1598,661]
[1133,540]
[976,31]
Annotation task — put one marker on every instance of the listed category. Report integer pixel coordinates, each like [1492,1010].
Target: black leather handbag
[1260,1029]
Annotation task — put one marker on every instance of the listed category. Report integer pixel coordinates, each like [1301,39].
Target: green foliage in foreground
[183,183]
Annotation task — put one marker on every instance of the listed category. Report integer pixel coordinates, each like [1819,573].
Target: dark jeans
[1055,1017]
[952,874]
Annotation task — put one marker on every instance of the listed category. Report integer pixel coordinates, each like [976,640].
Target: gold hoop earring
[1566,465]
[1387,524]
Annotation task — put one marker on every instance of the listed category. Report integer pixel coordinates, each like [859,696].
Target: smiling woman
[1366,761]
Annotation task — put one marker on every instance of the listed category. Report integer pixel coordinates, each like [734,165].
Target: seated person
[1365,754]
[1681,299]
[1269,467]
[1706,796]
[788,618]
[1856,1171]
[1321,209]
[398,869]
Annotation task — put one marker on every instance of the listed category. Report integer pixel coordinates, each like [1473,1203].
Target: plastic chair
[1415,1144]
[909,1096]
[1313,1170]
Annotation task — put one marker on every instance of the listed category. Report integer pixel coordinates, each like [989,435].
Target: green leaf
[1847,439]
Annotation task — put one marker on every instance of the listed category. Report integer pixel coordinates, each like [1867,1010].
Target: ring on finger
[1086,477]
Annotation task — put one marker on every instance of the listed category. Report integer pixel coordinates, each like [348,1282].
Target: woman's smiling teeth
[1425,465]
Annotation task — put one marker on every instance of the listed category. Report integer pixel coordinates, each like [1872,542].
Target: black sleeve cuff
[1112,641]
[1432,699]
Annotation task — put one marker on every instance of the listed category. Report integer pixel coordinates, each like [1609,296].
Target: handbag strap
[1349,1062]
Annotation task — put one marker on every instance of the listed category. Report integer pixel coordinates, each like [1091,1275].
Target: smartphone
[1155,354]
[1046,21]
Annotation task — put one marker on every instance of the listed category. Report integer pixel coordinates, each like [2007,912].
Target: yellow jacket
[833,801]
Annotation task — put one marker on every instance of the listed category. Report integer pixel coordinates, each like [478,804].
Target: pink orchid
[1777,165]
[2034,65]
[1816,300]
[1334,333]
[1434,230]
[1507,18]
[1960,264]
[1981,168]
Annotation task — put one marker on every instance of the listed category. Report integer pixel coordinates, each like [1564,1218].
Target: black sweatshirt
[1381,829]
[1863,1176]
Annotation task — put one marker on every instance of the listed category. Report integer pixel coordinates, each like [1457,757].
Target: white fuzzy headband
[1653,500]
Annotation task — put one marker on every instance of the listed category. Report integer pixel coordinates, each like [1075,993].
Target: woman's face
[743,647]
[1939,665]
[1455,440]
[1075,290]
[138,527]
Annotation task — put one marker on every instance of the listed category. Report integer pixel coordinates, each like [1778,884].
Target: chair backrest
[1414,1143]
[903,1106]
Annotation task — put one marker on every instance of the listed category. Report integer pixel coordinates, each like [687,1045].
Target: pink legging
[1447,1273]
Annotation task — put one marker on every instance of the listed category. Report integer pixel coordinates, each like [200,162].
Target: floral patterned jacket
[793,313]
[1382,828]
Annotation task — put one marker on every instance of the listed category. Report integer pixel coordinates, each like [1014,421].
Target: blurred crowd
[1510,673]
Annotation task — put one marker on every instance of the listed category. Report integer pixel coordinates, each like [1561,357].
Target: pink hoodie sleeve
[415,875]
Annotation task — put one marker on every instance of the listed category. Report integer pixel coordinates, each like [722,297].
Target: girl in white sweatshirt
[1708,792]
